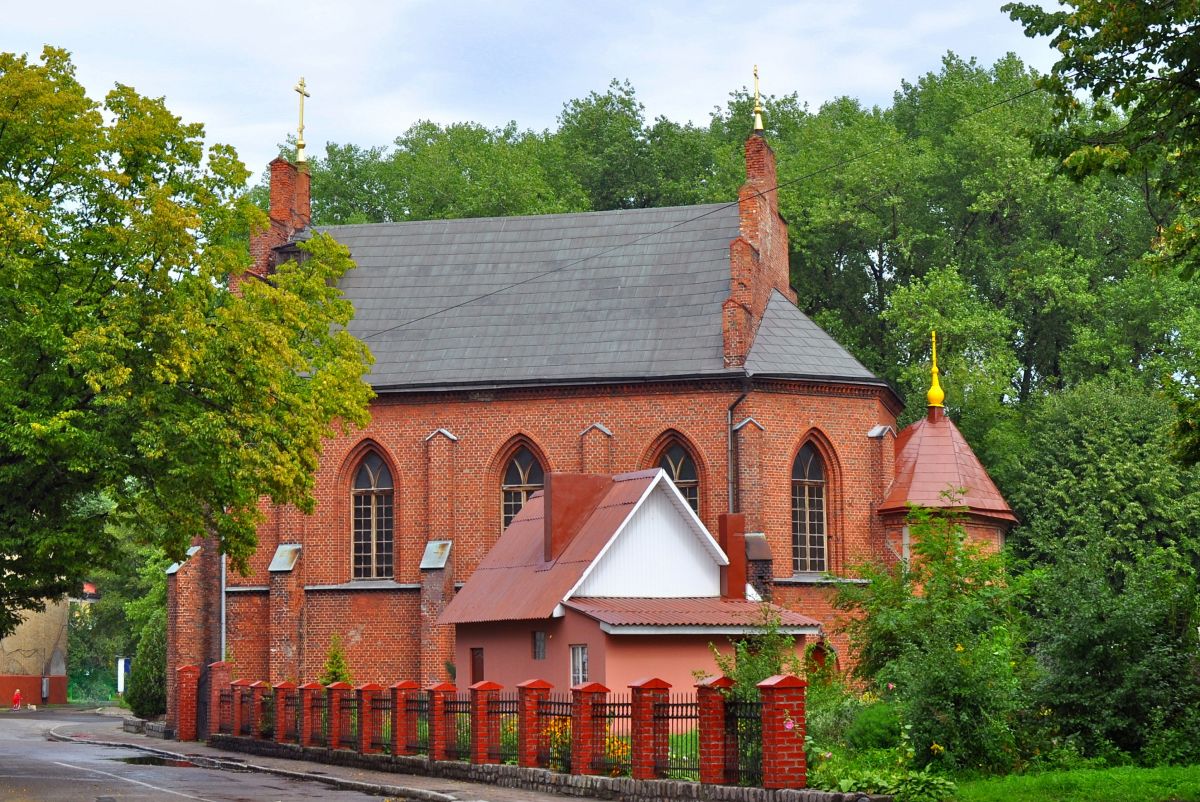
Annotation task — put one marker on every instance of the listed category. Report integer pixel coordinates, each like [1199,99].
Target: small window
[808,512]
[522,478]
[680,466]
[373,519]
[539,645]
[579,663]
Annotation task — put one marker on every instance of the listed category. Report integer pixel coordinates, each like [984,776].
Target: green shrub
[830,710]
[765,653]
[945,631]
[874,727]
[147,692]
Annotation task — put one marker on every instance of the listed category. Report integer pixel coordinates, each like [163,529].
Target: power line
[826,168]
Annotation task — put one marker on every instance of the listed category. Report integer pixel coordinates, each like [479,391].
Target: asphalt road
[33,769]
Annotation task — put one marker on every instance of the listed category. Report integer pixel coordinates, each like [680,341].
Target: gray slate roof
[634,294]
[788,343]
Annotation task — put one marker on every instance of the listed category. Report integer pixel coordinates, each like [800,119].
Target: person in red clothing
[17,699]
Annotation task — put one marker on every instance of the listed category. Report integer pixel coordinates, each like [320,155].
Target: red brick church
[508,349]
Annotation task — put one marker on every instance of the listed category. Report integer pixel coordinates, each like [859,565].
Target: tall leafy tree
[129,371]
[1112,527]
[1138,61]
[608,148]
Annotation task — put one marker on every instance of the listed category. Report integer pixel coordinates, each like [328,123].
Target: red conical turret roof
[933,457]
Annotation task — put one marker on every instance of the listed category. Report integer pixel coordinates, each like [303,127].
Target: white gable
[661,551]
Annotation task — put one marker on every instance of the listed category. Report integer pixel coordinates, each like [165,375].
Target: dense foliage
[131,594]
[942,633]
[133,383]
[147,692]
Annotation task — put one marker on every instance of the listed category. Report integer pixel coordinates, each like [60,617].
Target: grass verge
[1122,784]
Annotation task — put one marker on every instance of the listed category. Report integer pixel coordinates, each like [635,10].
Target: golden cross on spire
[758,123]
[936,395]
[302,90]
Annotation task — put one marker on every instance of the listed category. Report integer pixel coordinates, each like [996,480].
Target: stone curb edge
[236,765]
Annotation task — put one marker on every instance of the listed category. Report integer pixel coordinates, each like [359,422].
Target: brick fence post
[485,728]
[784,763]
[649,739]
[337,691]
[584,746]
[239,714]
[285,716]
[187,686]
[309,720]
[257,691]
[401,722]
[219,676]
[710,702]
[439,725]
[367,716]
[529,725]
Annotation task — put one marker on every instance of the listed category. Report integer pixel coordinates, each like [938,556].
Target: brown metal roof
[514,582]
[932,457]
[703,612]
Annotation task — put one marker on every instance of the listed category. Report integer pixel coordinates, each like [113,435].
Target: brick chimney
[290,211]
[731,536]
[569,500]
[758,258]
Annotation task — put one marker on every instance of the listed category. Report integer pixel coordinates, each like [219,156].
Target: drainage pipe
[729,467]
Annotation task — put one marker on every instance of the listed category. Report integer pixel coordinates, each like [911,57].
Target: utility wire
[722,207]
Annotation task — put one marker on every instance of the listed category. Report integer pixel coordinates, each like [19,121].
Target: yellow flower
[936,748]
[958,647]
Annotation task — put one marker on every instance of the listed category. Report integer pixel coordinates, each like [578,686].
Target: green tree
[336,668]
[1110,525]
[1137,61]
[147,694]
[128,369]
[607,147]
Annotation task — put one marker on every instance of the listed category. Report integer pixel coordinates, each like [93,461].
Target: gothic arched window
[373,519]
[522,477]
[808,511]
[680,466]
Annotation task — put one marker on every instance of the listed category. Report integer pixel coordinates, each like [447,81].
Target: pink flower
[891,686]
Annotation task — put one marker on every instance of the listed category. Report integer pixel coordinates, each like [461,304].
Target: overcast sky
[374,67]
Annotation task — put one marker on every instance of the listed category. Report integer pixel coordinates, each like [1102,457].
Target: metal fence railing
[347,721]
[743,728]
[417,712]
[381,722]
[676,727]
[320,719]
[287,708]
[554,724]
[266,717]
[246,726]
[503,713]
[680,716]
[612,736]
[457,711]
[225,711]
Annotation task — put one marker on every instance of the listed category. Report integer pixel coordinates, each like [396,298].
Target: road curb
[204,761]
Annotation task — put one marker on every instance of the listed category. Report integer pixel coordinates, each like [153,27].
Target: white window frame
[579,664]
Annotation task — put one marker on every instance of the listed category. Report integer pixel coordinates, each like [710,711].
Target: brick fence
[704,740]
